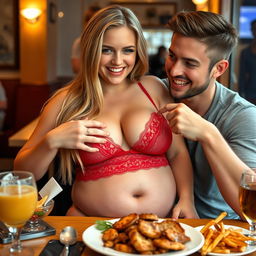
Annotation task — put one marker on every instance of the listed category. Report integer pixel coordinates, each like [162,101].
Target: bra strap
[147,94]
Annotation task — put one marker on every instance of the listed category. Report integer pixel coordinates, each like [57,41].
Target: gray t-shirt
[236,120]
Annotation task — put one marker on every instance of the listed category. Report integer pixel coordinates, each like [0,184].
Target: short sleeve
[241,135]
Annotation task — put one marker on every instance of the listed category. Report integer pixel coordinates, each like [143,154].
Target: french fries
[222,240]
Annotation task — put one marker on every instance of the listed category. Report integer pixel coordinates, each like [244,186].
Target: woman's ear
[219,68]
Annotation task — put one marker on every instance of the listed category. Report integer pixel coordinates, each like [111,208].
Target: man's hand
[185,121]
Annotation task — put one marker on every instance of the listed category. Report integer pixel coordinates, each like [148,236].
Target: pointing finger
[167,107]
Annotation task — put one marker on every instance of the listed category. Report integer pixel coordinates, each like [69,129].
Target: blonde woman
[106,122]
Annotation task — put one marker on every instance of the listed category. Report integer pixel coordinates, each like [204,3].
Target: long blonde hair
[84,94]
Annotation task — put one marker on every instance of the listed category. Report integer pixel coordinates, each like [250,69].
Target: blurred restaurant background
[35,53]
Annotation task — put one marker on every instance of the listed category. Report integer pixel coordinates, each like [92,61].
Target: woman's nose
[117,59]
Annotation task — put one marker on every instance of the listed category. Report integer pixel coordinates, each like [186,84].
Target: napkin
[50,189]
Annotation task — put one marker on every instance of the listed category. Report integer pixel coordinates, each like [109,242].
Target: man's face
[187,67]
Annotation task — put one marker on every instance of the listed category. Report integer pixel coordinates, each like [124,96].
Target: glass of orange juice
[18,198]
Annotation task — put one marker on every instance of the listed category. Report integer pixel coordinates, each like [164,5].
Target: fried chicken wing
[109,244]
[126,221]
[110,234]
[139,242]
[149,229]
[124,248]
[171,224]
[165,243]
[176,236]
[122,238]
[148,216]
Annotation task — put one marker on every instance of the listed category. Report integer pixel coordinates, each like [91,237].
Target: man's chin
[176,95]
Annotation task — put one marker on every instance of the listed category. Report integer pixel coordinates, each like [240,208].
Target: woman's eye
[129,50]
[106,50]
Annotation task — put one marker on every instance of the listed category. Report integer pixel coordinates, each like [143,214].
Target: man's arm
[226,164]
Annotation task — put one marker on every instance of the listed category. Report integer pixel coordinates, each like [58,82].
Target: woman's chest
[126,128]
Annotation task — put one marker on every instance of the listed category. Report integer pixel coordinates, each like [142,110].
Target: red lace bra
[148,152]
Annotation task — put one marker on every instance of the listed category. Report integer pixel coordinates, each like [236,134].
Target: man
[219,125]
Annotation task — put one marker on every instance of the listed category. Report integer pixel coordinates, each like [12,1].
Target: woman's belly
[143,191]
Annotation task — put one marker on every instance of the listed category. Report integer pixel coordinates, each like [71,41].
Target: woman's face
[118,55]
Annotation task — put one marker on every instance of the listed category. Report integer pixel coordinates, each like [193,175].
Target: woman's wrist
[51,141]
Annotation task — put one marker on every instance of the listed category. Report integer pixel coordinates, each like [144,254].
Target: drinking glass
[34,224]
[247,199]
[18,198]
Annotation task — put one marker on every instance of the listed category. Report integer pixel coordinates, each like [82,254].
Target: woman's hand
[76,134]
[184,209]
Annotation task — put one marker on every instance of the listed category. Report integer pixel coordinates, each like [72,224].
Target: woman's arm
[179,159]
[43,145]
[183,173]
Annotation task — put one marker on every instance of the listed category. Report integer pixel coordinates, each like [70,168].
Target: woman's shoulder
[57,99]
[152,82]
[156,87]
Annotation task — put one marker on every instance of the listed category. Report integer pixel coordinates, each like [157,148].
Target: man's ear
[219,68]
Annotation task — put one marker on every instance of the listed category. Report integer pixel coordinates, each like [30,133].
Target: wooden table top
[81,223]
[21,137]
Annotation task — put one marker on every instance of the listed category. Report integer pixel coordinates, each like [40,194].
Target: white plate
[92,238]
[249,249]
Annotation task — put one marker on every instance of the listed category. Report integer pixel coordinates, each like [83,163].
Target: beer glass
[247,199]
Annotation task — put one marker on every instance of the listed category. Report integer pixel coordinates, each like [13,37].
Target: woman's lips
[116,71]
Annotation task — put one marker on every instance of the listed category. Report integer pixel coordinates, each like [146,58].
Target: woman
[106,121]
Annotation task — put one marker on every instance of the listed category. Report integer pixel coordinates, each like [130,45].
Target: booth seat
[24,104]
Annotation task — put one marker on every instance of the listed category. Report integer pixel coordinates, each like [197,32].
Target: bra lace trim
[120,165]
[150,134]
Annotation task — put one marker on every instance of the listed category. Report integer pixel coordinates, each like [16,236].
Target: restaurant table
[19,138]
[81,223]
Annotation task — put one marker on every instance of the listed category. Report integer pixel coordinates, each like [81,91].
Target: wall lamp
[199,1]
[31,14]
[201,5]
